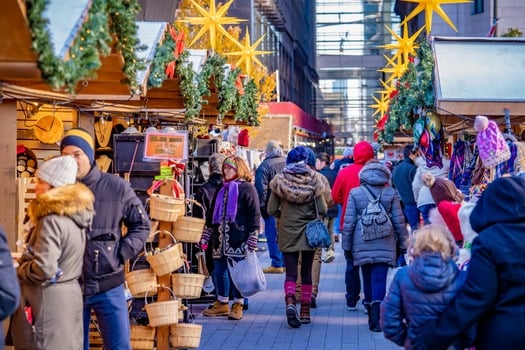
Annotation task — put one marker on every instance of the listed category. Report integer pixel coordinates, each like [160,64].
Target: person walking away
[107,249]
[422,291]
[204,195]
[346,180]
[272,164]
[296,192]
[50,312]
[336,166]
[9,288]
[422,193]
[322,164]
[402,178]
[493,295]
[374,254]
[232,229]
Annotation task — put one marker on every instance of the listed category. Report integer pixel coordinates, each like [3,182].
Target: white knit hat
[58,171]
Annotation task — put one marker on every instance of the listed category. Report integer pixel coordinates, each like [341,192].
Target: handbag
[247,275]
[317,233]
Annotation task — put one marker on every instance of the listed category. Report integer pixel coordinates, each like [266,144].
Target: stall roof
[479,75]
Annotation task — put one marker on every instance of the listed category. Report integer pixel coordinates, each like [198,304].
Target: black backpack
[375,221]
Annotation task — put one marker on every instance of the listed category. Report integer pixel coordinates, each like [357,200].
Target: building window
[477,7]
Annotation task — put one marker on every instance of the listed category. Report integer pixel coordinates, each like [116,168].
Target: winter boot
[305,313]
[368,312]
[291,312]
[218,309]
[236,312]
[373,316]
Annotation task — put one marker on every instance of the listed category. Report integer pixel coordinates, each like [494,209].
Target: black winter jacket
[106,249]
[402,177]
[265,172]
[493,295]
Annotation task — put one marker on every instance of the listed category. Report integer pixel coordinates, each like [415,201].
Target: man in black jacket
[272,164]
[402,178]
[107,250]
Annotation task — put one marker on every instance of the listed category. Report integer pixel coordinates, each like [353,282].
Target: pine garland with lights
[414,90]
[94,39]
[191,87]
[247,104]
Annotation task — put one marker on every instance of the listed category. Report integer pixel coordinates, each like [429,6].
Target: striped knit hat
[82,139]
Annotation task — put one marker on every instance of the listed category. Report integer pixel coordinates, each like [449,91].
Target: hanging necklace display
[103,129]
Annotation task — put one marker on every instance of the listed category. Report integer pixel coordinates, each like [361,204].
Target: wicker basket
[162,313]
[187,228]
[142,337]
[187,285]
[166,208]
[140,281]
[167,260]
[185,335]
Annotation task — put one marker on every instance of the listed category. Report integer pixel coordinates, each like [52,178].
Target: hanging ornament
[248,54]
[429,6]
[418,128]
[424,140]
[405,46]
[433,125]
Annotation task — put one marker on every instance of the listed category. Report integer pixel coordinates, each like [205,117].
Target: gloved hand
[205,238]
[251,243]
[203,244]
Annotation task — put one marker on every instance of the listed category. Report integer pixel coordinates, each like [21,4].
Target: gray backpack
[375,221]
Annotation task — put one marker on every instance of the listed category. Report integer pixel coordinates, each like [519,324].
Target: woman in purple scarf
[232,229]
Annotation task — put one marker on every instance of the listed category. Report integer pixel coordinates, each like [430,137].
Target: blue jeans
[111,309]
[337,230]
[412,215]
[374,281]
[270,231]
[425,209]
[352,280]
[224,283]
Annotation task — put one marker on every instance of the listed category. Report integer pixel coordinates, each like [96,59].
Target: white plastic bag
[247,274]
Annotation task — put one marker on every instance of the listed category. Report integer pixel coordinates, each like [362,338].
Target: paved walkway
[264,324]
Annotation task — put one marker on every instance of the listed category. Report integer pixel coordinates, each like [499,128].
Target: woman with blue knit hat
[296,192]
[50,311]
[107,249]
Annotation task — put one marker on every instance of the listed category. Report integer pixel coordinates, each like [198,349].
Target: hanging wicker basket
[162,313]
[166,260]
[188,228]
[166,208]
[187,285]
[185,335]
[140,281]
[142,337]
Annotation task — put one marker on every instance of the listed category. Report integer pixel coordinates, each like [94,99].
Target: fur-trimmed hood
[297,188]
[74,201]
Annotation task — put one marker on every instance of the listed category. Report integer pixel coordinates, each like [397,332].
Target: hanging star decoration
[212,22]
[381,105]
[406,45]
[388,88]
[395,67]
[248,54]
[430,6]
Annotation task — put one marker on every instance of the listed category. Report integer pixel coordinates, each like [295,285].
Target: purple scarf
[230,212]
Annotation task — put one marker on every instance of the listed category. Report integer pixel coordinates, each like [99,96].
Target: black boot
[291,312]
[368,312]
[373,316]
[305,312]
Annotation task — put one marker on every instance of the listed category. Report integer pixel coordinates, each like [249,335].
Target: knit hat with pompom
[490,142]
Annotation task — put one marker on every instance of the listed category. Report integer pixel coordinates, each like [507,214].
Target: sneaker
[329,257]
[218,309]
[351,307]
[236,312]
[273,269]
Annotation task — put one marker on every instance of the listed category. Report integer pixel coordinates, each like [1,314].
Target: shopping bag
[247,275]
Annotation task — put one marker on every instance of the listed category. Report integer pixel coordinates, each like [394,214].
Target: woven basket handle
[195,202]
[159,286]
[154,234]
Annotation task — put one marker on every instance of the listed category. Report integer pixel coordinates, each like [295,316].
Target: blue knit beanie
[297,154]
[82,139]
[311,157]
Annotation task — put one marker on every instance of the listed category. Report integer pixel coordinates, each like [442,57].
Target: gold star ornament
[406,45]
[381,105]
[212,22]
[431,6]
[247,54]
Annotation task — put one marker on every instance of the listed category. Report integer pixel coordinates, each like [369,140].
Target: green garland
[415,89]
[94,39]
[194,87]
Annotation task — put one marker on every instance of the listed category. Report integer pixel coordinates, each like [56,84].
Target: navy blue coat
[493,295]
[418,293]
[402,177]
